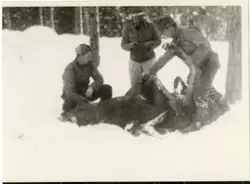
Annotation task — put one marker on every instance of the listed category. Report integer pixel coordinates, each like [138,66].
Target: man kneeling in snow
[76,79]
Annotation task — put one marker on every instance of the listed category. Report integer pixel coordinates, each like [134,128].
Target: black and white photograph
[115,92]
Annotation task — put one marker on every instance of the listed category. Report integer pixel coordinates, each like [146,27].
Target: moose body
[145,103]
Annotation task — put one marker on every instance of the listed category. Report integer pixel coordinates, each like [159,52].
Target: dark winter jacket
[76,80]
[147,39]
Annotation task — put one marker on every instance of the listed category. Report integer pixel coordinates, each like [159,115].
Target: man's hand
[166,46]
[148,77]
[89,92]
[132,45]
[148,44]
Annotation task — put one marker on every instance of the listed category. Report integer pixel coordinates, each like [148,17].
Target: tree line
[213,20]
[217,22]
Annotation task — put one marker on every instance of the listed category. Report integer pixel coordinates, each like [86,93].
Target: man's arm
[69,86]
[194,73]
[186,59]
[126,44]
[98,79]
[162,61]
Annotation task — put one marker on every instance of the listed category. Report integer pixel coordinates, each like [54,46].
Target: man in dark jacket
[76,79]
[140,38]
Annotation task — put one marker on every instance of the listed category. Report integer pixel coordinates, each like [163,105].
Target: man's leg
[148,64]
[135,71]
[68,106]
[213,66]
[104,92]
[209,70]
[150,92]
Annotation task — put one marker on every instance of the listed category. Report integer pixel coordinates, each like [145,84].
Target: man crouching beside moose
[76,79]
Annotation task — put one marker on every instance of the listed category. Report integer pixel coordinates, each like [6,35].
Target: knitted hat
[82,49]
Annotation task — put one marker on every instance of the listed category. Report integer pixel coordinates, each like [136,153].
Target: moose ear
[178,80]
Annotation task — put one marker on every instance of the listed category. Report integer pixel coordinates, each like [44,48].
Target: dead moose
[150,106]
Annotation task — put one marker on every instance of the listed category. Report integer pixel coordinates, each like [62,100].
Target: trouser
[209,69]
[104,93]
[136,69]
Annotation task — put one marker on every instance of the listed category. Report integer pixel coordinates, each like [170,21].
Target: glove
[89,92]
[166,46]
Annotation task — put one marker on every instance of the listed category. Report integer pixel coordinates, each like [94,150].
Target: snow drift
[37,147]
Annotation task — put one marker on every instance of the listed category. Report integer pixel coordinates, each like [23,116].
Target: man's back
[190,38]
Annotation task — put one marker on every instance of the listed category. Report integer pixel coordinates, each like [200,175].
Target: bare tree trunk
[119,22]
[95,33]
[8,18]
[86,20]
[148,12]
[81,20]
[52,22]
[165,11]
[41,16]
[77,20]
[234,78]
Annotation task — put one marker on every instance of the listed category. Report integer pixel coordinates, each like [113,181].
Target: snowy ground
[37,147]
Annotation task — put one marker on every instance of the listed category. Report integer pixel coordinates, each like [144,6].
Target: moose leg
[161,96]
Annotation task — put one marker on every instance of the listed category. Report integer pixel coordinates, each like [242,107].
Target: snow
[195,13]
[37,147]
[178,18]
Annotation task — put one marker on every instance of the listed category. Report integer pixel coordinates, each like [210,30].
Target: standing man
[195,50]
[140,38]
[77,89]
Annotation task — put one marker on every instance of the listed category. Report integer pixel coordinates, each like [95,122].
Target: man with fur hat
[76,79]
[140,38]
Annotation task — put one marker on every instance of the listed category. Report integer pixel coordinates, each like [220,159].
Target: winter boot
[65,117]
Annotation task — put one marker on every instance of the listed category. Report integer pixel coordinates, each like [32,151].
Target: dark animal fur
[142,103]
